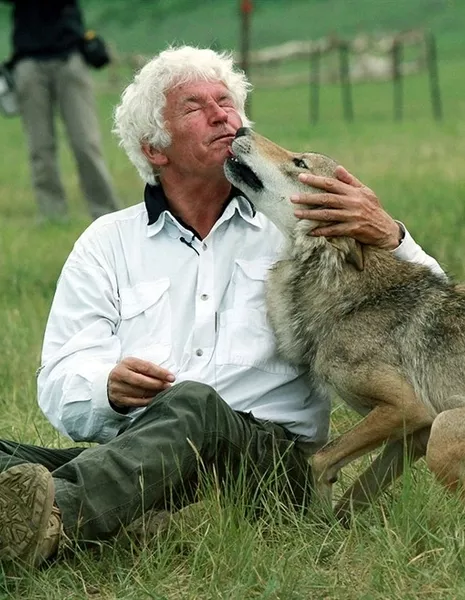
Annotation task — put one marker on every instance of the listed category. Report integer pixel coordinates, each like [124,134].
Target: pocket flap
[137,299]
[256,269]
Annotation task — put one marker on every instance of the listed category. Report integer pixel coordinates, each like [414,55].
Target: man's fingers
[124,389]
[147,368]
[134,382]
[133,379]
[343,175]
[327,214]
[123,394]
[333,230]
[328,184]
[330,201]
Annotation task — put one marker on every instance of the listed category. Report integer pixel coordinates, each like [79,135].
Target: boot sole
[26,501]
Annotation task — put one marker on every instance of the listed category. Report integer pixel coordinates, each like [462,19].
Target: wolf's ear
[352,249]
[355,256]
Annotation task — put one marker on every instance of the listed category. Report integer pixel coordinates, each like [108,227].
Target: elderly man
[157,345]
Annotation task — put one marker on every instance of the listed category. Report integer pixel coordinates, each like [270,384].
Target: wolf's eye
[299,163]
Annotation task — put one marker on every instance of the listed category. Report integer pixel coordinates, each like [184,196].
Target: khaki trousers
[157,460]
[45,87]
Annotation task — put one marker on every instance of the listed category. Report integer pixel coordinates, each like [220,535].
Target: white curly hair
[138,119]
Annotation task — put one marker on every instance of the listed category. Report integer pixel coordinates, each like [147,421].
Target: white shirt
[133,289]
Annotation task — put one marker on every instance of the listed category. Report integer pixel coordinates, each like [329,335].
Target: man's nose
[217,113]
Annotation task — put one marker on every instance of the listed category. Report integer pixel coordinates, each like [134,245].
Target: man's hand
[134,382]
[347,208]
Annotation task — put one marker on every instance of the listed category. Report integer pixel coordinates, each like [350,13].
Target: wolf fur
[388,336]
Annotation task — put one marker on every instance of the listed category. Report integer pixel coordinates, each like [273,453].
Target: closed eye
[299,163]
[226,102]
[191,108]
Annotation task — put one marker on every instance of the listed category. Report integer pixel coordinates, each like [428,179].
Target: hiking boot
[30,524]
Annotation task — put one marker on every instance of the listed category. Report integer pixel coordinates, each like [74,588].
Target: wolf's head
[268,176]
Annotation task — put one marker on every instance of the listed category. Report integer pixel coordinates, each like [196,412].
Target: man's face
[202,120]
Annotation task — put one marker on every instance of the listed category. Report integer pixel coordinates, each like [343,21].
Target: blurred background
[146,26]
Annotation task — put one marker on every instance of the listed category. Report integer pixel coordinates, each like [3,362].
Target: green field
[156,23]
[147,26]
[409,545]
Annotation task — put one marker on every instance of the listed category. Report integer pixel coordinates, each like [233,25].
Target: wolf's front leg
[384,470]
[383,423]
[323,486]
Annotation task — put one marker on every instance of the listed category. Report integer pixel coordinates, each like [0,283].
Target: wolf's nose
[243,131]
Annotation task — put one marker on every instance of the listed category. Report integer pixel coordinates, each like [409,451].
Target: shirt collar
[156,204]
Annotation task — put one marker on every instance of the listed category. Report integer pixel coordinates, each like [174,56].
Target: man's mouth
[225,136]
[242,174]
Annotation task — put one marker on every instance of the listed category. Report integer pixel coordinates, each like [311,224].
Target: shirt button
[199,352]
[204,297]
[204,246]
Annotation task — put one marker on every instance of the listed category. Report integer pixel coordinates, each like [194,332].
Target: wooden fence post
[344,76]
[315,59]
[431,60]
[397,79]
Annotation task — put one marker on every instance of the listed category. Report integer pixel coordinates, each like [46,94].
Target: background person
[157,344]
[51,76]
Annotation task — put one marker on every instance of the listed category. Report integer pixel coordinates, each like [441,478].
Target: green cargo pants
[156,461]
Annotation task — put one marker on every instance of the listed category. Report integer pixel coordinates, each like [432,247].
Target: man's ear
[154,156]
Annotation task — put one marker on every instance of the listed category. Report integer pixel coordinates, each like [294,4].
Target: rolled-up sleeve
[410,251]
[79,351]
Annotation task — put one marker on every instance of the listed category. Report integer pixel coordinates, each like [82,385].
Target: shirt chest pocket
[249,280]
[245,337]
[145,325]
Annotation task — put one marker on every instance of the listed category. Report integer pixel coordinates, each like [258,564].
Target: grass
[410,544]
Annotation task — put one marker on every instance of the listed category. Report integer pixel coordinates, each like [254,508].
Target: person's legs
[154,463]
[78,110]
[15,453]
[36,102]
[158,456]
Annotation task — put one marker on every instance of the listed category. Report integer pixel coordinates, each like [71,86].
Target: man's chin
[224,153]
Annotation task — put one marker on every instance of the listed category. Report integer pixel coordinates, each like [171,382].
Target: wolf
[387,336]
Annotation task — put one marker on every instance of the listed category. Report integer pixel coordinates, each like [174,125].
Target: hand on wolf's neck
[346,207]
[395,239]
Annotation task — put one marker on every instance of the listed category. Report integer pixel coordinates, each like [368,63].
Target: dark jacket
[45,28]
